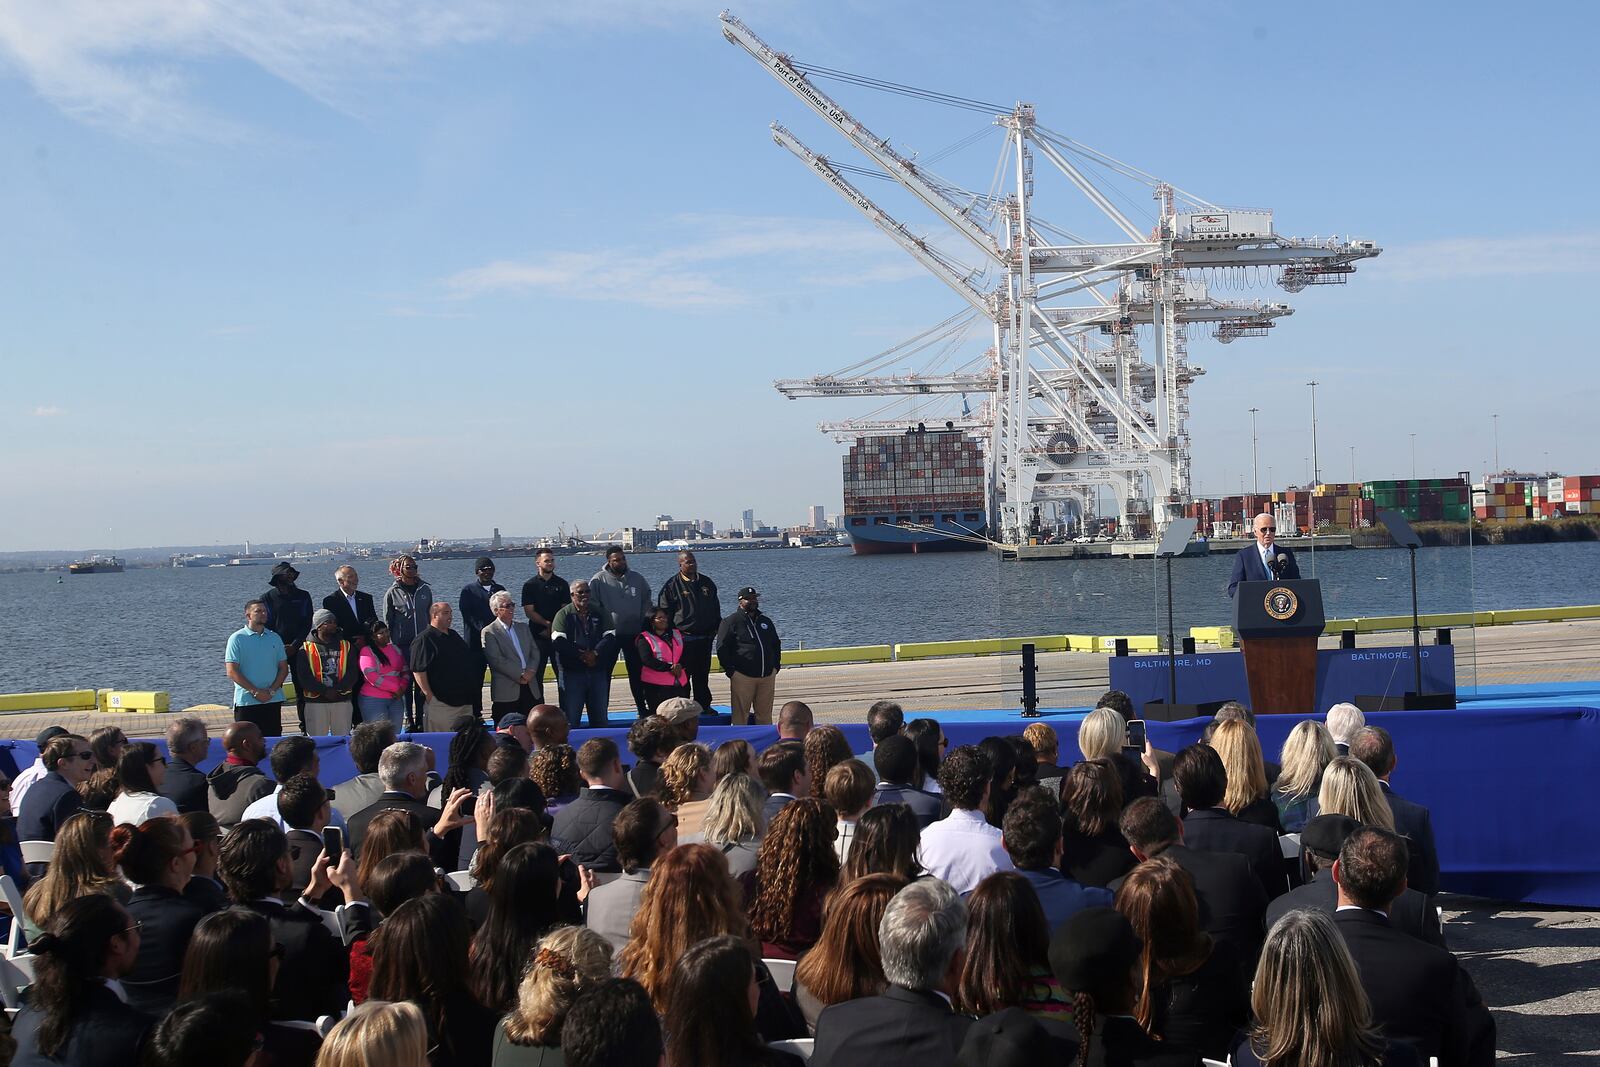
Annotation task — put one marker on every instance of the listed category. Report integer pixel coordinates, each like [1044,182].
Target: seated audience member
[650,740]
[53,798]
[927,736]
[1230,896]
[204,887]
[107,743]
[508,762]
[554,769]
[1306,751]
[962,848]
[304,812]
[582,829]
[1320,843]
[511,731]
[238,782]
[100,789]
[720,971]
[203,1032]
[1026,773]
[1006,965]
[1350,788]
[685,785]
[314,967]
[505,831]
[419,954]
[1093,850]
[403,769]
[845,963]
[689,897]
[848,791]
[1344,721]
[234,951]
[794,721]
[887,840]
[1046,751]
[922,943]
[1193,991]
[471,749]
[547,727]
[401,877]
[141,771]
[1233,711]
[291,756]
[1002,778]
[366,745]
[567,963]
[1309,1005]
[643,830]
[35,770]
[1013,1038]
[72,1013]
[1419,993]
[158,857]
[897,769]
[796,870]
[1374,747]
[733,757]
[1247,796]
[1209,827]
[683,715]
[885,719]
[1093,957]
[734,823]
[522,909]
[84,863]
[389,832]
[188,746]
[782,770]
[1032,838]
[825,748]
[613,1024]
[1102,735]
[378,1035]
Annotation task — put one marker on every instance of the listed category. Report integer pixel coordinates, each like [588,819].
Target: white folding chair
[13,899]
[1289,845]
[16,974]
[325,1023]
[782,972]
[799,1046]
[1218,1063]
[38,851]
[298,1024]
[461,880]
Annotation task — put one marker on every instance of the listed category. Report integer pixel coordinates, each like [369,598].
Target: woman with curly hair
[1306,752]
[1247,797]
[1093,850]
[825,747]
[84,862]
[567,962]
[733,757]
[1006,963]
[555,771]
[795,871]
[885,842]
[845,964]
[685,786]
[690,897]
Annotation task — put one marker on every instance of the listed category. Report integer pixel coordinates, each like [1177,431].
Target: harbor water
[164,629]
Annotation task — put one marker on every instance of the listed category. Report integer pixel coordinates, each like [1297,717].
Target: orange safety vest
[314,659]
[669,650]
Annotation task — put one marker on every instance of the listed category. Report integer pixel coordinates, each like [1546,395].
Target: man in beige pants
[445,670]
[749,651]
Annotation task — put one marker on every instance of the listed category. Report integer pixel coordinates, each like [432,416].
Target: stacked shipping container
[1421,499]
[916,472]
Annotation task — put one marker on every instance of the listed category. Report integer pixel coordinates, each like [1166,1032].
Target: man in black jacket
[751,654]
[922,942]
[188,745]
[1373,746]
[352,609]
[583,828]
[895,760]
[1419,993]
[697,614]
[237,782]
[1320,843]
[783,771]
[289,611]
[54,799]
[1209,827]
[403,770]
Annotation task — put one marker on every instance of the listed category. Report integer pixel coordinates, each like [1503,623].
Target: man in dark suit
[583,829]
[1209,827]
[922,941]
[403,770]
[782,769]
[1373,746]
[1419,993]
[1320,843]
[352,609]
[1254,562]
[188,745]
[1232,902]
[895,758]
[54,799]
[304,807]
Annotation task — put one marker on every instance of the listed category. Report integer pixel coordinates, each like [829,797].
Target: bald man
[236,782]
[446,671]
[547,726]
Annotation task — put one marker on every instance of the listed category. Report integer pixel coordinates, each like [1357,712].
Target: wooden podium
[1278,624]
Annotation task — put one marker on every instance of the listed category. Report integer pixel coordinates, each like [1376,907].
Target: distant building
[639,539]
[676,528]
[707,527]
[495,544]
[815,519]
[748,520]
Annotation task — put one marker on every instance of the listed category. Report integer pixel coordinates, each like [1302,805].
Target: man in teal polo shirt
[257,665]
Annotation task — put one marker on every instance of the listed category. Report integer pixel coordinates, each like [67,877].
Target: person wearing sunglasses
[54,798]
[1263,561]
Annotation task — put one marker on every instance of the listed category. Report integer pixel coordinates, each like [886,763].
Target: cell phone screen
[1136,735]
[333,843]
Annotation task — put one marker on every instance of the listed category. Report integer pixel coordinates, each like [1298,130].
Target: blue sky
[376,270]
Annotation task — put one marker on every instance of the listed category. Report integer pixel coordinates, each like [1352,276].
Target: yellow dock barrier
[1221,636]
[1136,642]
[55,700]
[144,703]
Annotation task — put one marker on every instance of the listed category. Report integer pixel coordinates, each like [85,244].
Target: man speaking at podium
[1263,561]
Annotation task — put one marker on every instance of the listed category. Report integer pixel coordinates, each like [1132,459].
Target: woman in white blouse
[140,771]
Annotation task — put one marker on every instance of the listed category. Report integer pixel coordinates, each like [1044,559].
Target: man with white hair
[188,745]
[354,609]
[922,940]
[1344,722]
[513,658]
[403,770]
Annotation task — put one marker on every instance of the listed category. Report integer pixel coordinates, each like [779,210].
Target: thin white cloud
[48,411]
[1489,257]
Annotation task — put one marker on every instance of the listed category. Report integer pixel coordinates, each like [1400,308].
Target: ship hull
[872,537]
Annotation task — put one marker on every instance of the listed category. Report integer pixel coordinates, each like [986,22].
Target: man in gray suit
[643,830]
[513,658]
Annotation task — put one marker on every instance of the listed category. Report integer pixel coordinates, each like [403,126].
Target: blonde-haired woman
[684,785]
[1350,788]
[378,1034]
[1102,735]
[567,962]
[1306,752]
[1310,1008]
[1247,797]
[735,822]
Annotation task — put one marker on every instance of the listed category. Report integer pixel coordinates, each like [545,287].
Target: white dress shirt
[23,780]
[522,657]
[139,808]
[963,849]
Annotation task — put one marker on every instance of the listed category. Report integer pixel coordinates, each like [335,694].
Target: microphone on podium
[1275,563]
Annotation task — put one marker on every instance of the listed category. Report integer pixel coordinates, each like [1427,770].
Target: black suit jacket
[304,848]
[443,855]
[105,1033]
[1416,823]
[1232,903]
[1247,567]
[47,804]
[1096,861]
[352,626]
[314,977]
[1119,1041]
[1214,830]
[185,785]
[1419,993]
[206,892]
[901,1028]
[928,808]
[166,922]
[1411,912]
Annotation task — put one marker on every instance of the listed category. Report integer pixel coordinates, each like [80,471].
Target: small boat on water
[98,565]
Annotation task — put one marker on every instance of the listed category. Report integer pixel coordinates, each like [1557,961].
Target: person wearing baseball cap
[289,611]
[328,670]
[1320,843]
[35,771]
[750,652]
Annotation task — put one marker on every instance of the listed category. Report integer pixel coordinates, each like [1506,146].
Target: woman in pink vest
[384,680]
[661,661]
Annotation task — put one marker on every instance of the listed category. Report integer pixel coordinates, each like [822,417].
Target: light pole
[1496,419]
[1255,470]
[1352,464]
[1316,468]
[1413,457]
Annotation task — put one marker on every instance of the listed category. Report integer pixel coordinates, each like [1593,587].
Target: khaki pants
[440,718]
[330,718]
[747,693]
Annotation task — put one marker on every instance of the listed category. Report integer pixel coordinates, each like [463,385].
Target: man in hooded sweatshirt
[237,782]
[289,611]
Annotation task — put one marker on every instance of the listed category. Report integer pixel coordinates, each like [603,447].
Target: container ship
[920,491]
[98,565]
